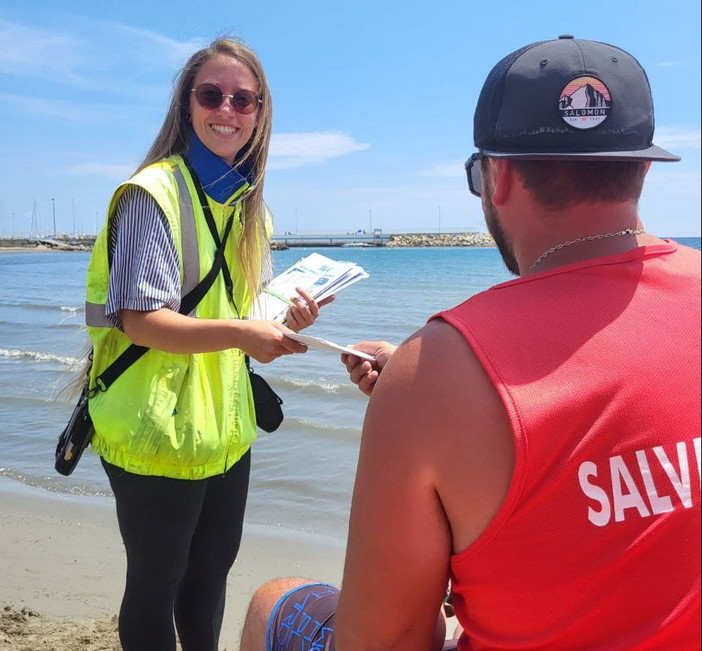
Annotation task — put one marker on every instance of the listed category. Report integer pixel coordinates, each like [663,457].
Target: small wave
[328,387]
[54,485]
[41,306]
[38,357]
[65,322]
[321,387]
[353,433]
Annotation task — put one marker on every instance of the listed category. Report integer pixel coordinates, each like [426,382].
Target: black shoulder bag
[267,403]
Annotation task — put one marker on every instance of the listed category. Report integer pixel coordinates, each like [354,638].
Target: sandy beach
[63,570]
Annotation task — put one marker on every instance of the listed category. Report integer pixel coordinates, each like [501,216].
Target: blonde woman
[175,429]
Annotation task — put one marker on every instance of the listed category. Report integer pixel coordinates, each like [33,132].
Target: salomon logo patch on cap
[585,103]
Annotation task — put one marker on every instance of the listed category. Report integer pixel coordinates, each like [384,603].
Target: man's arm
[428,428]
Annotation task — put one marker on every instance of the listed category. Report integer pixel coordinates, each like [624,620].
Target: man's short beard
[493,225]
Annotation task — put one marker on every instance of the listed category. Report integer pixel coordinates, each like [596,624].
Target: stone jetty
[61,243]
[441,239]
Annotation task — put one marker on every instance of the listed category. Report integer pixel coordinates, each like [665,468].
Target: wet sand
[63,570]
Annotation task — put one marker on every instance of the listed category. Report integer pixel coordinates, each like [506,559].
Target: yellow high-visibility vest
[173,415]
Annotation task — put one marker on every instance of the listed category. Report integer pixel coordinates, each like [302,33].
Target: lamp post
[53,210]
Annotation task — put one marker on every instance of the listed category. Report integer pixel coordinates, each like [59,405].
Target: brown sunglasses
[210,96]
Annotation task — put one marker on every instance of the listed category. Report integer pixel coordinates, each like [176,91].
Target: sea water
[302,474]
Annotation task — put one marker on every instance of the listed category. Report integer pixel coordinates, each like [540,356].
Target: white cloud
[80,54]
[677,137]
[452,170]
[68,110]
[34,52]
[289,150]
[174,52]
[668,64]
[113,172]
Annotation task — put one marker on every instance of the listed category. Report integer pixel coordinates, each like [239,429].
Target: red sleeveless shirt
[597,543]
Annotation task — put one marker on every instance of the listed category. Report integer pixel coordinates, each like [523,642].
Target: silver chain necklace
[587,238]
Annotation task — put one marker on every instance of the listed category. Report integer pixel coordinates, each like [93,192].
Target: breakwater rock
[441,239]
[66,243]
[16,243]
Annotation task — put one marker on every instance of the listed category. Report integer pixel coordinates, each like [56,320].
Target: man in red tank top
[538,446]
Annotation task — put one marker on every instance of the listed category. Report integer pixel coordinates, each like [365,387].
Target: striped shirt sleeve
[145,273]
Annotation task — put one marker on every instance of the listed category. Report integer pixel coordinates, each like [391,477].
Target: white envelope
[323,344]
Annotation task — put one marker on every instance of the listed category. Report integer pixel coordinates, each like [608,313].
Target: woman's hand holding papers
[303,310]
[363,373]
[265,341]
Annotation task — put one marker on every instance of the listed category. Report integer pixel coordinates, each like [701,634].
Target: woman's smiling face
[222,130]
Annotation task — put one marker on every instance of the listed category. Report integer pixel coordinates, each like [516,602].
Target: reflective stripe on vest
[95,312]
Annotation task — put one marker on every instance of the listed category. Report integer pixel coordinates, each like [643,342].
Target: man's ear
[502,172]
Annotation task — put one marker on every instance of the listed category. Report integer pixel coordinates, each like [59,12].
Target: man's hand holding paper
[362,372]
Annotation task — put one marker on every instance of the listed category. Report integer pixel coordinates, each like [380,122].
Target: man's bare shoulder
[436,400]
[429,363]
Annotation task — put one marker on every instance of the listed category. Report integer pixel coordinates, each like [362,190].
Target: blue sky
[373,101]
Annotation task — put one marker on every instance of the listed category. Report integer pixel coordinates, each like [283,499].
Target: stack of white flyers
[318,275]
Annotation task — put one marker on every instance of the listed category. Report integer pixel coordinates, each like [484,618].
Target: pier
[362,239]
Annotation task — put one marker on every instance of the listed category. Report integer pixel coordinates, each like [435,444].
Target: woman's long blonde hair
[172,138]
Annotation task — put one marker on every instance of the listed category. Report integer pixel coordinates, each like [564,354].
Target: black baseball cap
[567,99]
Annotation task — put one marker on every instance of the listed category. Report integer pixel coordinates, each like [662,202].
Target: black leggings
[181,539]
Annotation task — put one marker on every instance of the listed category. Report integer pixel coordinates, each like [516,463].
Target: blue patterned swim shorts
[303,619]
